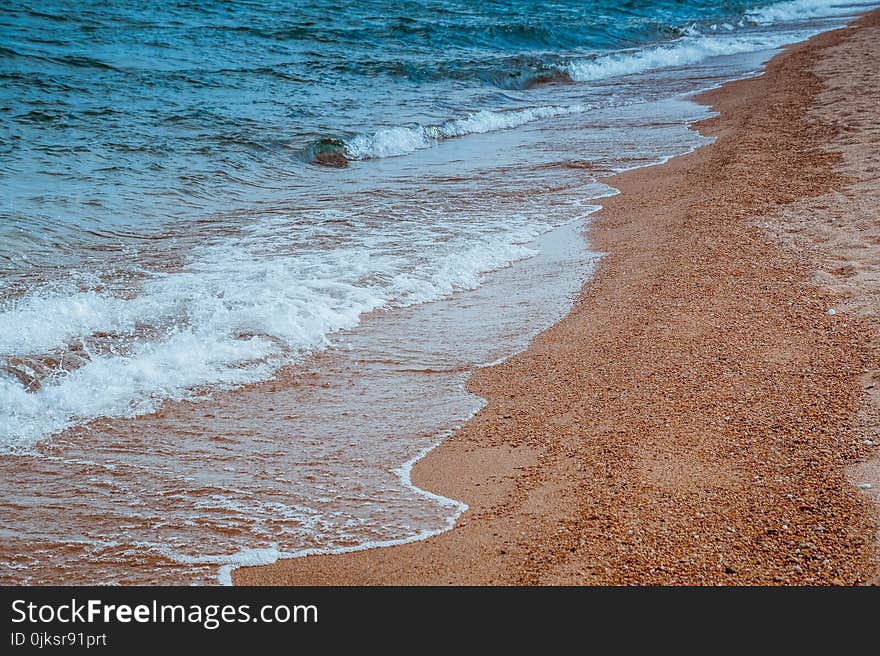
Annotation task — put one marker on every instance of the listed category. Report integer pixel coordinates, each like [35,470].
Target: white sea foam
[798,10]
[230,317]
[686,51]
[45,319]
[251,557]
[267,555]
[391,142]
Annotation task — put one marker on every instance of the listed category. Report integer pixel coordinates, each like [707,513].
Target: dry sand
[699,417]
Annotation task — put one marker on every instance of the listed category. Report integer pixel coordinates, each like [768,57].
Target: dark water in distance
[125,116]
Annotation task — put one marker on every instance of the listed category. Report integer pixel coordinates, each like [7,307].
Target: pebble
[831,312]
[865,486]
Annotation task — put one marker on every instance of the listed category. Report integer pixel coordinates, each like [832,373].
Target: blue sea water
[208,139]
[196,195]
[124,118]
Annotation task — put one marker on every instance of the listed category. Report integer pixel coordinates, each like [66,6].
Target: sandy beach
[708,412]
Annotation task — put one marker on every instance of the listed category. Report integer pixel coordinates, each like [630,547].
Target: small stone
[865,486]
[868,442]
[831,312]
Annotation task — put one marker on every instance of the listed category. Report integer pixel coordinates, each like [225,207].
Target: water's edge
[257,557]
[404,472]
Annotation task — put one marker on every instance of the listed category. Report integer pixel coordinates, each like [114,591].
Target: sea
[251,252]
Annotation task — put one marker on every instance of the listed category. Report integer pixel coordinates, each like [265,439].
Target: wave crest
[795,10]
[394,141]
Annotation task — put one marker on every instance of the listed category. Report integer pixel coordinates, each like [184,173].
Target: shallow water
[250,256]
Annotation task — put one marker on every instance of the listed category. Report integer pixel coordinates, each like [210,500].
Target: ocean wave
[701,42]
[687,50]
[228,318]
[797,10]
[394,141]
[526,75]
[683,52]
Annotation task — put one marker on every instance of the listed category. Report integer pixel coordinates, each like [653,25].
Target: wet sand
[699,417]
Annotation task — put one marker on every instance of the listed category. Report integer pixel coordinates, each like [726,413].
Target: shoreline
[702,331]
